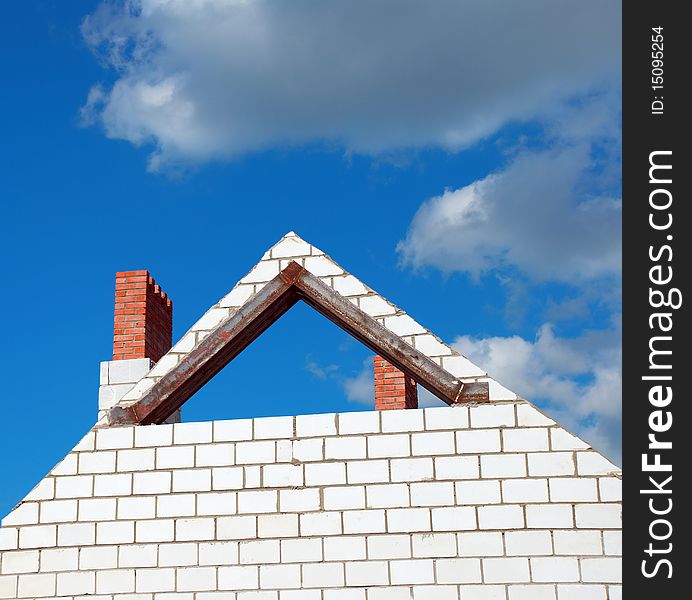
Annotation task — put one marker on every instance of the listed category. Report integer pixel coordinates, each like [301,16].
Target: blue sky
[463,160]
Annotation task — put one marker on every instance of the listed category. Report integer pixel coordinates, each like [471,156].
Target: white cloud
[205,79]
[361,387]
[577,379]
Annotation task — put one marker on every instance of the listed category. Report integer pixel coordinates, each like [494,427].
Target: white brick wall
[491,502]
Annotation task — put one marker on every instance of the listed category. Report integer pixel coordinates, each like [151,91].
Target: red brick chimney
[393,388]
[143,325]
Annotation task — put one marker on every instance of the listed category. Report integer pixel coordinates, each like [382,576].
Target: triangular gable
[294,269]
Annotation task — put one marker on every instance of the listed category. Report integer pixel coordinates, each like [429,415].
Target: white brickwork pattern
[470,503]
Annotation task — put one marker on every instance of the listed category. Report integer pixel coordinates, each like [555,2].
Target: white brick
[325,473]
[366,573]
[503,465]
[389,593]
[531,592]
[376,306]
[458,518]
[403,325]
[58,511]
[403,420]
[344,548]
[219,503]
[321,266]
[429,345]
[492,415]
[97,462]
[432,494]
[598,516]
[195,579]
[67,466]
[194,529]
[218,553]
[299,500]
[209,320]
[345,448]
[545,464]
[279,576]
[480,543]
[39,536]
[237,296]
[155,580]
[573,489]
[81,583]
[115,438]
[60,559]
[344,498]
[592,463]
[500,517]
[435,592]
[214,455]
[143,507]
[8,586]
[389,446]
[87,443]
[349,286]
[9,538]
[192,433]
[610,489]
[394,495]
[236,528]
[136,460]
[282,475]
[612,542]
[320,575]
[432,444]
[528,543]
[269,428]
[434,545]
[100,557]
[311,449]
[77,534]
[259,552]
[525,490]
[152,483]
[36,586]
[137,556]
[159,530]
[263,501]
[364,521]
[530,416]
[460,366]
[368,471]
[411,571]
[564,440]
[615,592]
[601,570]
[115,532]
[233,431]
[320,523]
[20,562]
[79,486]
[178,505]
[411,469]
[290,246]
[359,422]
[269,526]
[506,570]
[192,480]
[549,516]
[113,485]
[255,452]
[121,581]
[482,440]
[456,467]
[581,592]
[389,546]
[445,417]
[97,509]
[238,578]
[301,550]
[44,490]
[551,569]
[408,519]
[25,514]
[315,425]
[153,435]
[478,492]
[577,542]
[525,440]
[231,478]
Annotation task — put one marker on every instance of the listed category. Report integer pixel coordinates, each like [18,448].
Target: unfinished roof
[290,271]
